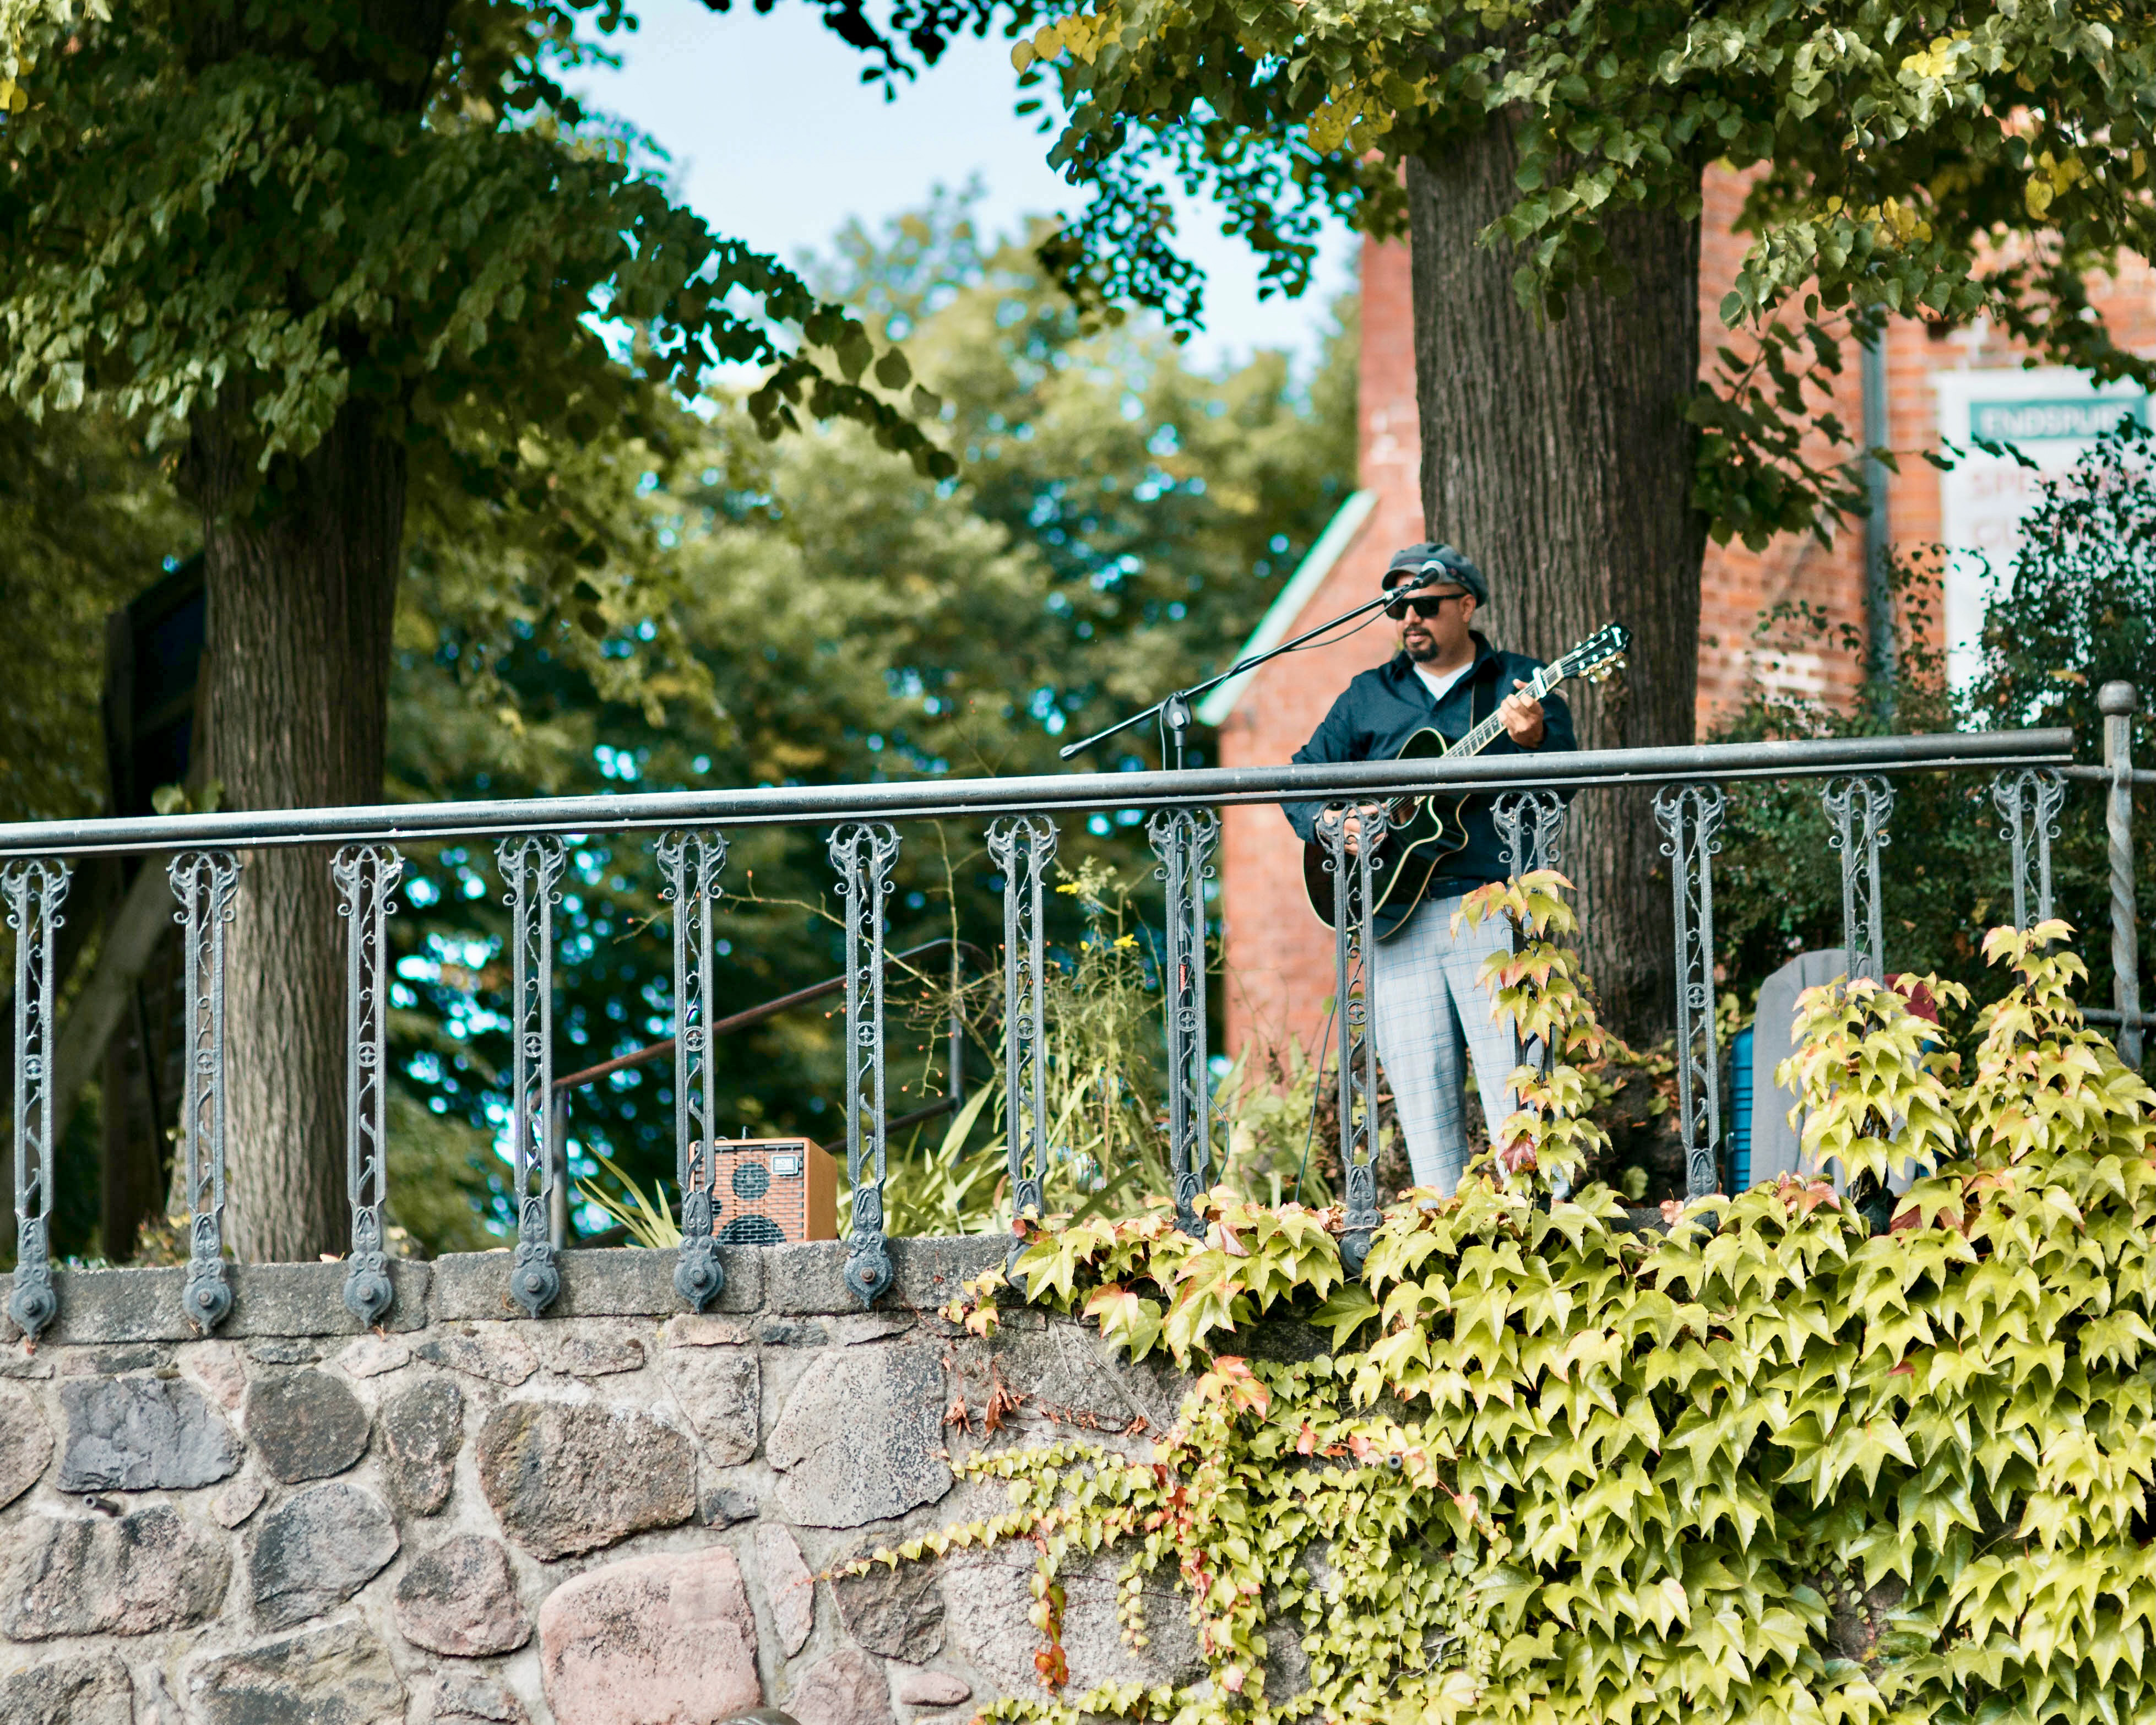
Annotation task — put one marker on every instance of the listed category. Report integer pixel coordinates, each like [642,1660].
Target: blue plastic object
[1740,1111]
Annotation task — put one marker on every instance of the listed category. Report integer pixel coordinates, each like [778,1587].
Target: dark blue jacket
[1382,709]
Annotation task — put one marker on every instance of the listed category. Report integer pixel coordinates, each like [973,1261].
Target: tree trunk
[1558,457]
[302,588]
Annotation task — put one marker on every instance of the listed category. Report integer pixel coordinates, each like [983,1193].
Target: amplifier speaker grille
[770,1191]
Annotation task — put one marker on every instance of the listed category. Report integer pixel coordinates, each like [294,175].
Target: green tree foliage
[86,521]
[1769,1466]
[808,611]
[2073,613]
[292,208]
[1925,158]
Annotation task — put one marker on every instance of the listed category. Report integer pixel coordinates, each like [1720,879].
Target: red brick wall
[1278,958]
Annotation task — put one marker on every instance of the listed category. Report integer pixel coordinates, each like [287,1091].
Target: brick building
[1278,958]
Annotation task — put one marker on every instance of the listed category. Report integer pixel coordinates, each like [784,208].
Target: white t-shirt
[1439,683]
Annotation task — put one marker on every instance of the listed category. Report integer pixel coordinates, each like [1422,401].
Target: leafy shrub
[1771,1465]
[2076,610]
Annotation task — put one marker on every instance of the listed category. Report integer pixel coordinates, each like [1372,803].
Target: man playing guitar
[1428,1012]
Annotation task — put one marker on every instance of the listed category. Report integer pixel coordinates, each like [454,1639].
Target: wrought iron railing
[1019,815]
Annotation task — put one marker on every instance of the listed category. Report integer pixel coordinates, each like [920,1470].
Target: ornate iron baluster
[532,866]
[863,854]
[1859,808]
[1689,816]
[1528,824]
[366,876]
[2028,799]
[34,890]
[1183,839]
[205,882]
[1022,846]
[692,861]
[1354,935]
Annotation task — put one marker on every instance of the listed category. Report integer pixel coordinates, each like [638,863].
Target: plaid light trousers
[1431,1016]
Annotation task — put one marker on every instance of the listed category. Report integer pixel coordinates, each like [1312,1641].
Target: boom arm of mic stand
[1252,663]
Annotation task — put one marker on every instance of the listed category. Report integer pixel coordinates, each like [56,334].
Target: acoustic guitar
[1424,828]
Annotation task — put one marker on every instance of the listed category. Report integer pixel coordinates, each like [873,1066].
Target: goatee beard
[1423,654]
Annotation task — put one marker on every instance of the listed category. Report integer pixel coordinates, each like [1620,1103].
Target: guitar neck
[1493,727]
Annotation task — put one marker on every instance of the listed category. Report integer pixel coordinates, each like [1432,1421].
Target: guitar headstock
[1599,656]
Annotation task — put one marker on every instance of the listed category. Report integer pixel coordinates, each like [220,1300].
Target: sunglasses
[1422,605]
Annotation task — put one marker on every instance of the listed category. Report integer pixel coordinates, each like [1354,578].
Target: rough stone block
[141,1435]
[337,1675]
[86,1689]
[460,1598]
[619,1281]
[100,1575]
[26,1445]
[305,1426]
[371,1356]
[220,1369]
[789,1583]
[807,1278]
[237,1501]
[847,1688]
[720,1390]
[423,1428]
[990,1599]
[860,1436]
[592,1353]
[458,1696]
[494,1351]
[669,1637]
[704,1329]
[568,1478]
[919,1688]
[724,1506]
[316,1549]
[898,1613]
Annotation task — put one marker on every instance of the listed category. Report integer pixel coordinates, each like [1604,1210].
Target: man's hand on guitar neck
[1523,718]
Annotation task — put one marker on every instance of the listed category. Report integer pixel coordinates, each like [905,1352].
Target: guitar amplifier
[772,1191]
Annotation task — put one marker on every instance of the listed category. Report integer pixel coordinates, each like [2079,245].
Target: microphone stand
[1174,710]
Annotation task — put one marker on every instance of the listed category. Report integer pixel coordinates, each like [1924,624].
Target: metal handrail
[2030,770]
[1808,757]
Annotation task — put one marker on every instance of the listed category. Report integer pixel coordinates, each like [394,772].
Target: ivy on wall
[1770,1466]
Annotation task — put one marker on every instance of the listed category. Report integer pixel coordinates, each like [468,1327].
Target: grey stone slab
[423,1427]
[809,1278]
[616,1282]
[26,1445]
[861,1438]
[305,1425]
[84,1689]
[337,1675]
[316,1549]
[566,1478]
[128,1575]
[142,1434]
[281,1299]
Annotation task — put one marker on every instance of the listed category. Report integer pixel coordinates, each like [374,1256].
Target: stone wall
[618,1512]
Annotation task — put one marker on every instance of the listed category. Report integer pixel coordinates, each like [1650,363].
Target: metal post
[692,861]
[205,882]
[366,876]
[1355,939]
[2028,799]
[34,890]
[863,853]
[557,1154]
[532,868]
[1689,816]
[1859,808]
[1183,839]
[1528,825]
[1023,846]
[2118,702]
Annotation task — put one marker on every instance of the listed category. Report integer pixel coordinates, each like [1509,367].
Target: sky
[773,139]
